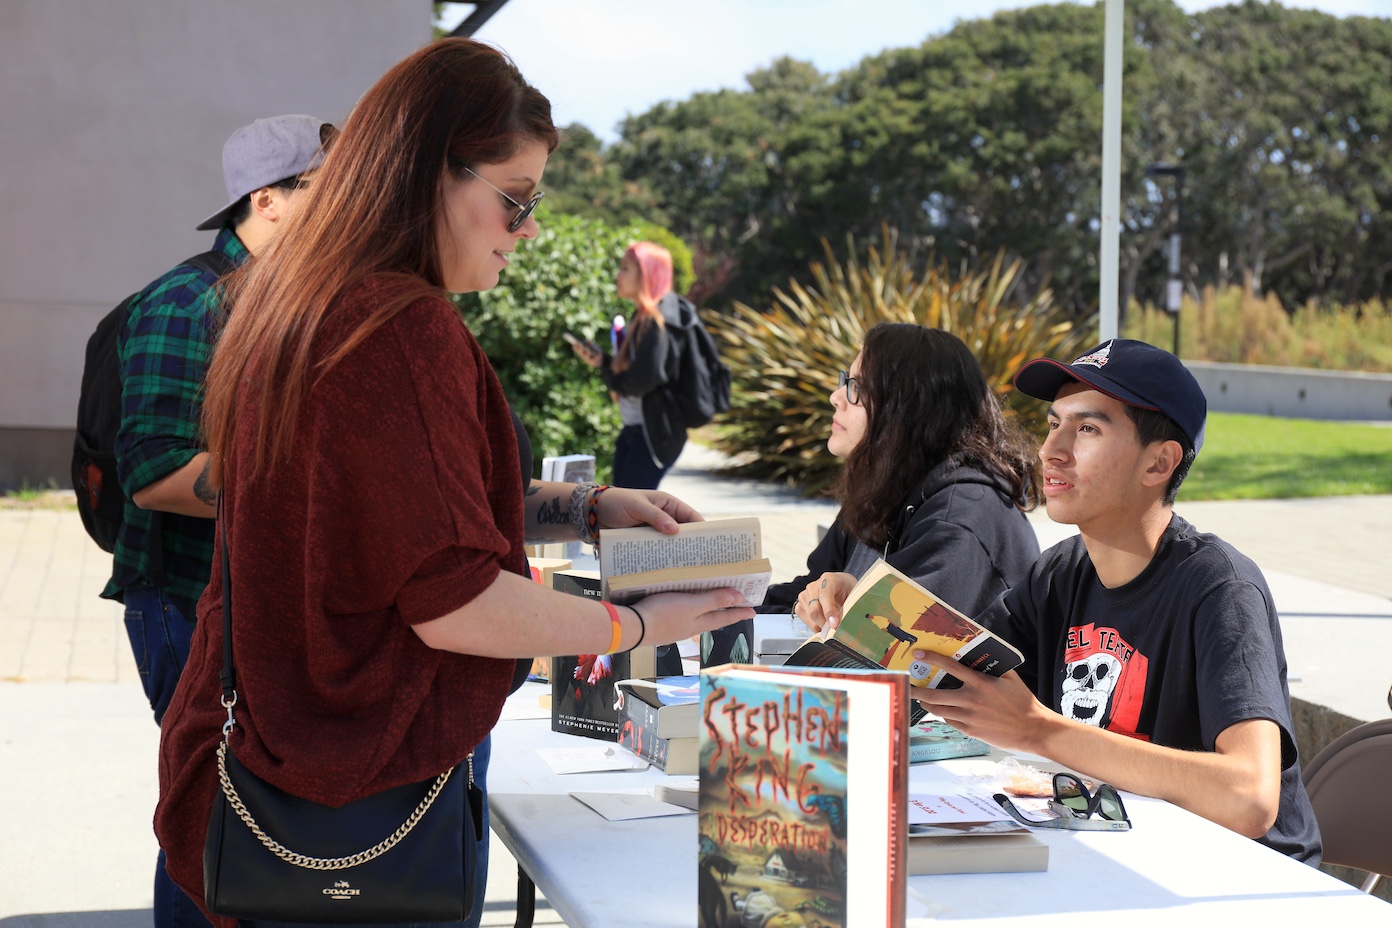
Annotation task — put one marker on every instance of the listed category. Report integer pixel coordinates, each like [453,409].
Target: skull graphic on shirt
[1088,686]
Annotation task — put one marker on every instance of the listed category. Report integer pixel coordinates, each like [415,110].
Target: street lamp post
[1174,285]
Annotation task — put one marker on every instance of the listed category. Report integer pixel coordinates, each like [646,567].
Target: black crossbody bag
[405,854]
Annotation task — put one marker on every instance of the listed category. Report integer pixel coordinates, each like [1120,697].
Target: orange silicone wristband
[615,627]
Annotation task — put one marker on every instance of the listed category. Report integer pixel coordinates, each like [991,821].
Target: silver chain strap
[326,863]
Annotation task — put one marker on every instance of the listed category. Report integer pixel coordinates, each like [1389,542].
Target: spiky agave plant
[785,358]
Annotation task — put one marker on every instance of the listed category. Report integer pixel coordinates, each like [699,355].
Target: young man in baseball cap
[1153,655]
[163,555]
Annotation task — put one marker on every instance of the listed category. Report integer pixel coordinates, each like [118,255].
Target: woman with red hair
[642,364]
[376,490]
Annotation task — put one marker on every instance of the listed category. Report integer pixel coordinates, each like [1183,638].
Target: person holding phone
[649,442]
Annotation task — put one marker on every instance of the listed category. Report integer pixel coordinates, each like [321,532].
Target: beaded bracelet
[615,627]
[592,516]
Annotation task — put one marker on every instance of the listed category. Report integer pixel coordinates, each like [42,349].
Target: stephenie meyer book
[803,796]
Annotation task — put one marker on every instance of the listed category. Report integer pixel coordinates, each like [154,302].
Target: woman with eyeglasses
[375,484]
[649,442]
[934,480]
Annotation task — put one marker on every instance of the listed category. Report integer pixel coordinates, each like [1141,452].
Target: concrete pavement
[78,748]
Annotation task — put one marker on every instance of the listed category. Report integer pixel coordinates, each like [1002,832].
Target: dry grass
[1234,326]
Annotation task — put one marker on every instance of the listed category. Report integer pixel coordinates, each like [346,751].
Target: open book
[887,616]
[637,562]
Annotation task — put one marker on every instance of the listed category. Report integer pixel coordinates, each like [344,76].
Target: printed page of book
[636,550]
[750,578]
[937,809]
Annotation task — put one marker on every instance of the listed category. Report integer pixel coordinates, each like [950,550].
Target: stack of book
[658,721]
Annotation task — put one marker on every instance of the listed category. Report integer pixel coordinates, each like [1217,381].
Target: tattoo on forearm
[202,487]
[532,490]
[552,514]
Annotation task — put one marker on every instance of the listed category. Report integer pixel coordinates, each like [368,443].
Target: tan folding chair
[1348,783]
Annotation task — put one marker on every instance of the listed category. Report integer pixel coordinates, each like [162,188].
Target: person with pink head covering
[651,437]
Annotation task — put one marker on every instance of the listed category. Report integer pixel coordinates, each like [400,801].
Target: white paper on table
[620,805]
[931,809]
[589,759]
[921,910]
[515,709]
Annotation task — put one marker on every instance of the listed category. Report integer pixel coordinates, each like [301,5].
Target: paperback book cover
[933,739]
[582,685]
[803,797]
[888,615]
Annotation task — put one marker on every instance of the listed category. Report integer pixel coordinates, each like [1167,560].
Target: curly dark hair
[925,400]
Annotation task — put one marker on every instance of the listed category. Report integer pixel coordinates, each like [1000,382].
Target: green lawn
[1260,457]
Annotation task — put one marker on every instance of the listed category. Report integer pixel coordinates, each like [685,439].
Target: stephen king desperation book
[803,792]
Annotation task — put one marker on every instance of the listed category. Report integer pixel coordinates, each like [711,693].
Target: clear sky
[600,60]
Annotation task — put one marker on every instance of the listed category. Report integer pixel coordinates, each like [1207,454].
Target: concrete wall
[112,120]
[1294,392]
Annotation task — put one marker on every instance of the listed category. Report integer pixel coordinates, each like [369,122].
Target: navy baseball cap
[1131,372]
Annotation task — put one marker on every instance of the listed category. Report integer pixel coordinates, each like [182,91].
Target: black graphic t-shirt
[1187,649]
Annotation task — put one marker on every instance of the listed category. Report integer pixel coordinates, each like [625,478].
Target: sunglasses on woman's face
[1075,807]
[524,209]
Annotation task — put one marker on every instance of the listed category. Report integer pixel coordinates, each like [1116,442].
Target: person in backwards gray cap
[1153,655]
[163,554]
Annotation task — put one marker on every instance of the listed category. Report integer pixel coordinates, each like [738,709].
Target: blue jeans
[159,636]
[633,463]
[481,755]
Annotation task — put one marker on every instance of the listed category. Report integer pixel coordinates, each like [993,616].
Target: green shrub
[785,358]
[563,280]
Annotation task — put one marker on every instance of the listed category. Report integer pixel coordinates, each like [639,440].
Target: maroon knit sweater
[402,502]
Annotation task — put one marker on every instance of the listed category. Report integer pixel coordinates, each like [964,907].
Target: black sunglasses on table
[1075,807]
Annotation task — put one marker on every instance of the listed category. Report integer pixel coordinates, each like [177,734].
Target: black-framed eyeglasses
[1075,807]
[852,385]
[524,209]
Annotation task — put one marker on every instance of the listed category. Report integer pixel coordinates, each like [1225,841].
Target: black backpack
[702,387]
[100,499]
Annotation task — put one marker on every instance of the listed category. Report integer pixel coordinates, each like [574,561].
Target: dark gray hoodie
[959,534]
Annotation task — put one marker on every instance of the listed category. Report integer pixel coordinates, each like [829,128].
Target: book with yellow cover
[887,616]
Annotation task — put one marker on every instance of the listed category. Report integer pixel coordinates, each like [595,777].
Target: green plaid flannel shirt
[165,344]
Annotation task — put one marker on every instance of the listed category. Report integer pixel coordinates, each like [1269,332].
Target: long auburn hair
[372,208]
[925,400]
[655,282]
